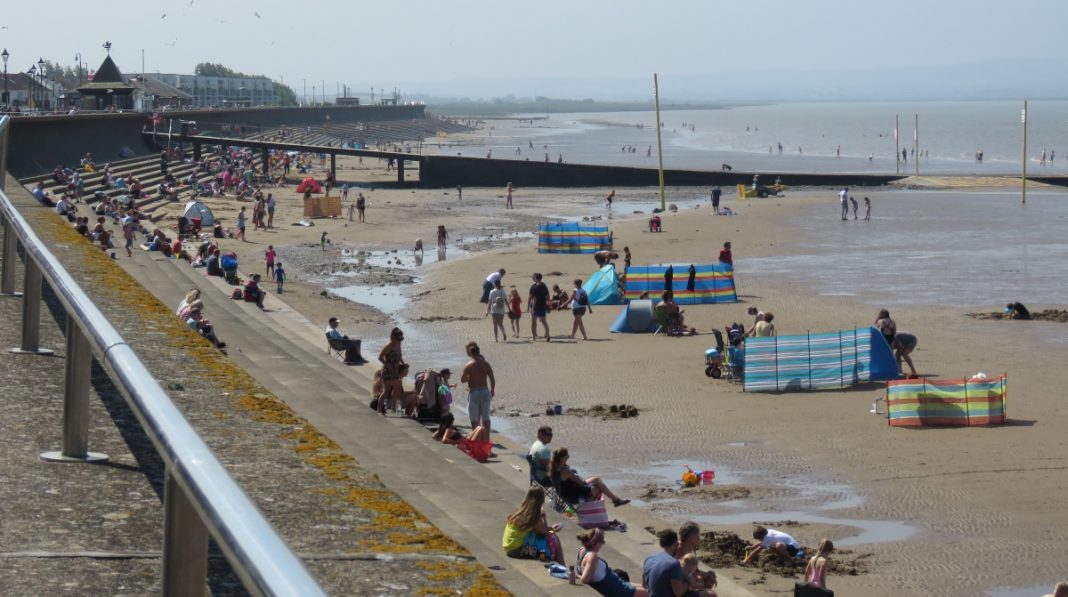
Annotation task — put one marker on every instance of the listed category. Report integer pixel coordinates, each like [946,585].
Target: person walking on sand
[538,306]
[481,387]
[843,197]
[241,224]
[579,303]
[459,193]
[361,205]
[497,307]
[508,193]
[716,193]
[352,210]
[853,200]
[322,240]
[279,276]
[269,256]
[515,311]
[608,200]
[270,210]
[867,208]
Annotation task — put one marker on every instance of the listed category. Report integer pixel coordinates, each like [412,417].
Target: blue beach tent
[637,317]
[603,287]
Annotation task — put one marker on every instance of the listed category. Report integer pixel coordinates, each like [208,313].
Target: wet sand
[941,511]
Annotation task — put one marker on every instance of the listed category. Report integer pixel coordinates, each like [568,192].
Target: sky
[575,48]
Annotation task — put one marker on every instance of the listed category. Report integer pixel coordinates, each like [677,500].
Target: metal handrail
[259,557]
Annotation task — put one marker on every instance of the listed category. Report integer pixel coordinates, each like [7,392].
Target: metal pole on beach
[1023,179]
[897,143]
[916,146]
[659,144]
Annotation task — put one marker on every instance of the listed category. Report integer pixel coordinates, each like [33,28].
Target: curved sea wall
[38,143]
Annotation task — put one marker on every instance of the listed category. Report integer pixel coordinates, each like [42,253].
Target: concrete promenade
[295,432]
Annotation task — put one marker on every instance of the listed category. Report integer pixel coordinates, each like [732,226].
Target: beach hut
[603,287]
[572,237]
[691,284]
[195,210]
[818,361]
[946,402]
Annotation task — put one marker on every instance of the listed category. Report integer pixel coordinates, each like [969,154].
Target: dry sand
[964,510]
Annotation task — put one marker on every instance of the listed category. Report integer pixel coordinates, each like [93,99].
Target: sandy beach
[931,511]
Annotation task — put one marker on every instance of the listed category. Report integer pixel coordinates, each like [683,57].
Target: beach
[931,511]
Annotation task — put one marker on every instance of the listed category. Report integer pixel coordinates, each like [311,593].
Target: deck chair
[550,492]
[341,349]
[664,326]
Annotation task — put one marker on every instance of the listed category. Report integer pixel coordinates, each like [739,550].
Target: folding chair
[335,347]
[664,325]
[551,494]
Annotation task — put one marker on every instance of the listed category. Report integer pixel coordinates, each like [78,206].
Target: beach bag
[805,589]
[237,295]
[592,514]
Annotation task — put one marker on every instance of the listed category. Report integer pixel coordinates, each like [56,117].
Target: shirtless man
[481,387]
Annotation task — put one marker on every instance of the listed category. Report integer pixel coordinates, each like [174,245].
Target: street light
[33,86]
[78,58]
[5,56]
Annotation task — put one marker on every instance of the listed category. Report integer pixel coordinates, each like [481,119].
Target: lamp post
[41,73]
[5,56]
[78,59]
[33,86]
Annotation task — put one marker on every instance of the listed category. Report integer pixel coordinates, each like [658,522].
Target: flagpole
[659,143]
[1023,179]
[897,143]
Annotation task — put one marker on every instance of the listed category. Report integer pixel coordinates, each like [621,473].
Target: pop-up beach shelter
[197,210]
[702,284]
[571,237]
[309,183]
[817,361]
[603,287]
[949,402]
[637,317]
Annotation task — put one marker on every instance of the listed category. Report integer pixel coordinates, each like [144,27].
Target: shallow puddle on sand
[868,531]
[387,299]
[498,237]
[400,259]
[667,472]
[1032,591]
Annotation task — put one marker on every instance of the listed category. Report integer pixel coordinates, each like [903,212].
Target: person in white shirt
[350,346]
[843,196]
[487,286]
[540,453]
[497,307]
[782,544]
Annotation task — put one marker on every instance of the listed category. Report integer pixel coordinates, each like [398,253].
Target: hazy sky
[421,44]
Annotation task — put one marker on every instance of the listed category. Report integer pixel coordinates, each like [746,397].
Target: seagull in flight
[258,16]
[190,2]
[163,17]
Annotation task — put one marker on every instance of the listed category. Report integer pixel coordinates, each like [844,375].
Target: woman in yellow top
[528,535]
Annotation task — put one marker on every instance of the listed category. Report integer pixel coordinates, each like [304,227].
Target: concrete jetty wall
[449,171]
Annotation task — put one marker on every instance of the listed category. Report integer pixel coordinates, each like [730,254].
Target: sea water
[816,137]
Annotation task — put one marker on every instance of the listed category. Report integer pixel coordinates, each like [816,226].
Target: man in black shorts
[538,306]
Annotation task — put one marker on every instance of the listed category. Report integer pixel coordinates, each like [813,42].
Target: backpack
[498,302]
[237,295]
[583,297]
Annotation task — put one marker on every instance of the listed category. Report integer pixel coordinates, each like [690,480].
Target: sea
[815,138]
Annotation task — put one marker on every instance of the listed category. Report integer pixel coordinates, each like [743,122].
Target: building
[223,92]
[151,94]
[108,89]
[31,92]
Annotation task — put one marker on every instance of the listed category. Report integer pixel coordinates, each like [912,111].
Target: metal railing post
[185,544]
[76,401]
[31,312]
[11,256]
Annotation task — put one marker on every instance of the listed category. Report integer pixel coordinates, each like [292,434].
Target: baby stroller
[715,357]
[229,267]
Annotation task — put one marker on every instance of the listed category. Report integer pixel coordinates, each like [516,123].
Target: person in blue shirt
[662,574]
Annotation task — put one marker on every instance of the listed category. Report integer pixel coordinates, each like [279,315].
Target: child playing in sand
[816,570]
[515,311]
[689,568]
